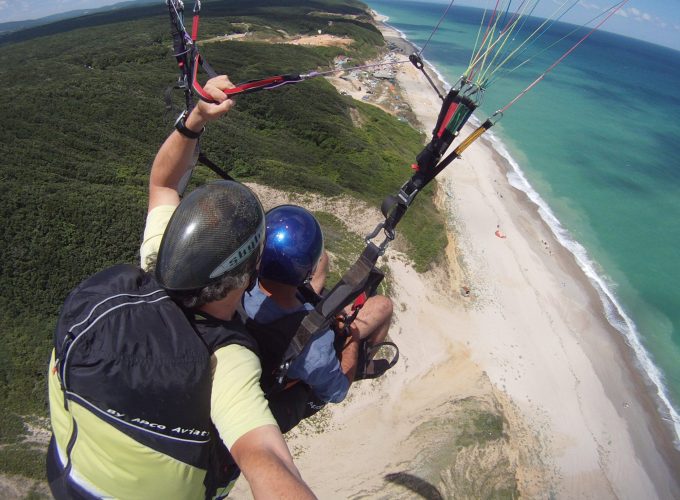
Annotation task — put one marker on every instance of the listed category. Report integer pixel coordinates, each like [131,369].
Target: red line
[196,85]
[254,85]
[449,114]
[194,28]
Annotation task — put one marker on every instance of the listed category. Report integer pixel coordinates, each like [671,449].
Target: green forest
[84,114]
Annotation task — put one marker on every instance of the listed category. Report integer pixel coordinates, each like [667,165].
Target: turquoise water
[597,139]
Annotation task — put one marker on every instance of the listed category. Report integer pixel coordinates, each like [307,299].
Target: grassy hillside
[83,117]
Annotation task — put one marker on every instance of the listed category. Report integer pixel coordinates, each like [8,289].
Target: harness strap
[195,21]
[417,61]
[309,294]
[361,277]
[212,166]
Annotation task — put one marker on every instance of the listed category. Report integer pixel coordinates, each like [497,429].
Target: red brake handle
[359,301]
[255,85]
[198,88]
[242,88]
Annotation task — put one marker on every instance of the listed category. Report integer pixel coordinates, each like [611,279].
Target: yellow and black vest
[130,383]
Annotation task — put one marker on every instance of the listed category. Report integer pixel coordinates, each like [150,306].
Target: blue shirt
[317,365]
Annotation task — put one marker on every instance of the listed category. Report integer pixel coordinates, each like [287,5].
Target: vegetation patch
[479,427]
[343,246]
[23,461]
[462,452]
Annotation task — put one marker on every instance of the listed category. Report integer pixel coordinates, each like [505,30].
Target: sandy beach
[529,343]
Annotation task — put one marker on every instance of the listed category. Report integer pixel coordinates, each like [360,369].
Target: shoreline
[646,390]
[613,311]
[642,387]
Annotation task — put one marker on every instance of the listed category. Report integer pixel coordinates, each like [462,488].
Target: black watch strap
[181,127]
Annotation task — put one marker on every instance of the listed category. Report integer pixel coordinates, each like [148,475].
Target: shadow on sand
[415,484]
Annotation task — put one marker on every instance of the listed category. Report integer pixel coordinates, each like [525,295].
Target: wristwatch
[181,127]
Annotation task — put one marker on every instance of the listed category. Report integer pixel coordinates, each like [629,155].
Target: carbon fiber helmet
[217,230]
[293,245]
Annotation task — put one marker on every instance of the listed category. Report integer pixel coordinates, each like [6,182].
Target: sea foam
[613,310]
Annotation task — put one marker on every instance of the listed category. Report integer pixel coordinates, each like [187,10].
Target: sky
[656,21]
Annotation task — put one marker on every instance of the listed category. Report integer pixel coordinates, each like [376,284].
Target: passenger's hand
[205,112]
[353,335]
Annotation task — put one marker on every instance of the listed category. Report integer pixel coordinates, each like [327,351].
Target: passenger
[153,371]
[294,256]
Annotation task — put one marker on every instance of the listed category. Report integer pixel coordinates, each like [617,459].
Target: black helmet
[217,230]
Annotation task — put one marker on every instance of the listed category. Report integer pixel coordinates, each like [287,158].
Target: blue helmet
[294,244]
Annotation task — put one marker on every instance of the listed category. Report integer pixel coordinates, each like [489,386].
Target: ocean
[594,144]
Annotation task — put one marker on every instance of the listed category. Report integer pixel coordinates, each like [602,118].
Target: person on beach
[292,258]
[154,381]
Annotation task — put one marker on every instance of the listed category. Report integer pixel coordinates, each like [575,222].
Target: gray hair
[211,293]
